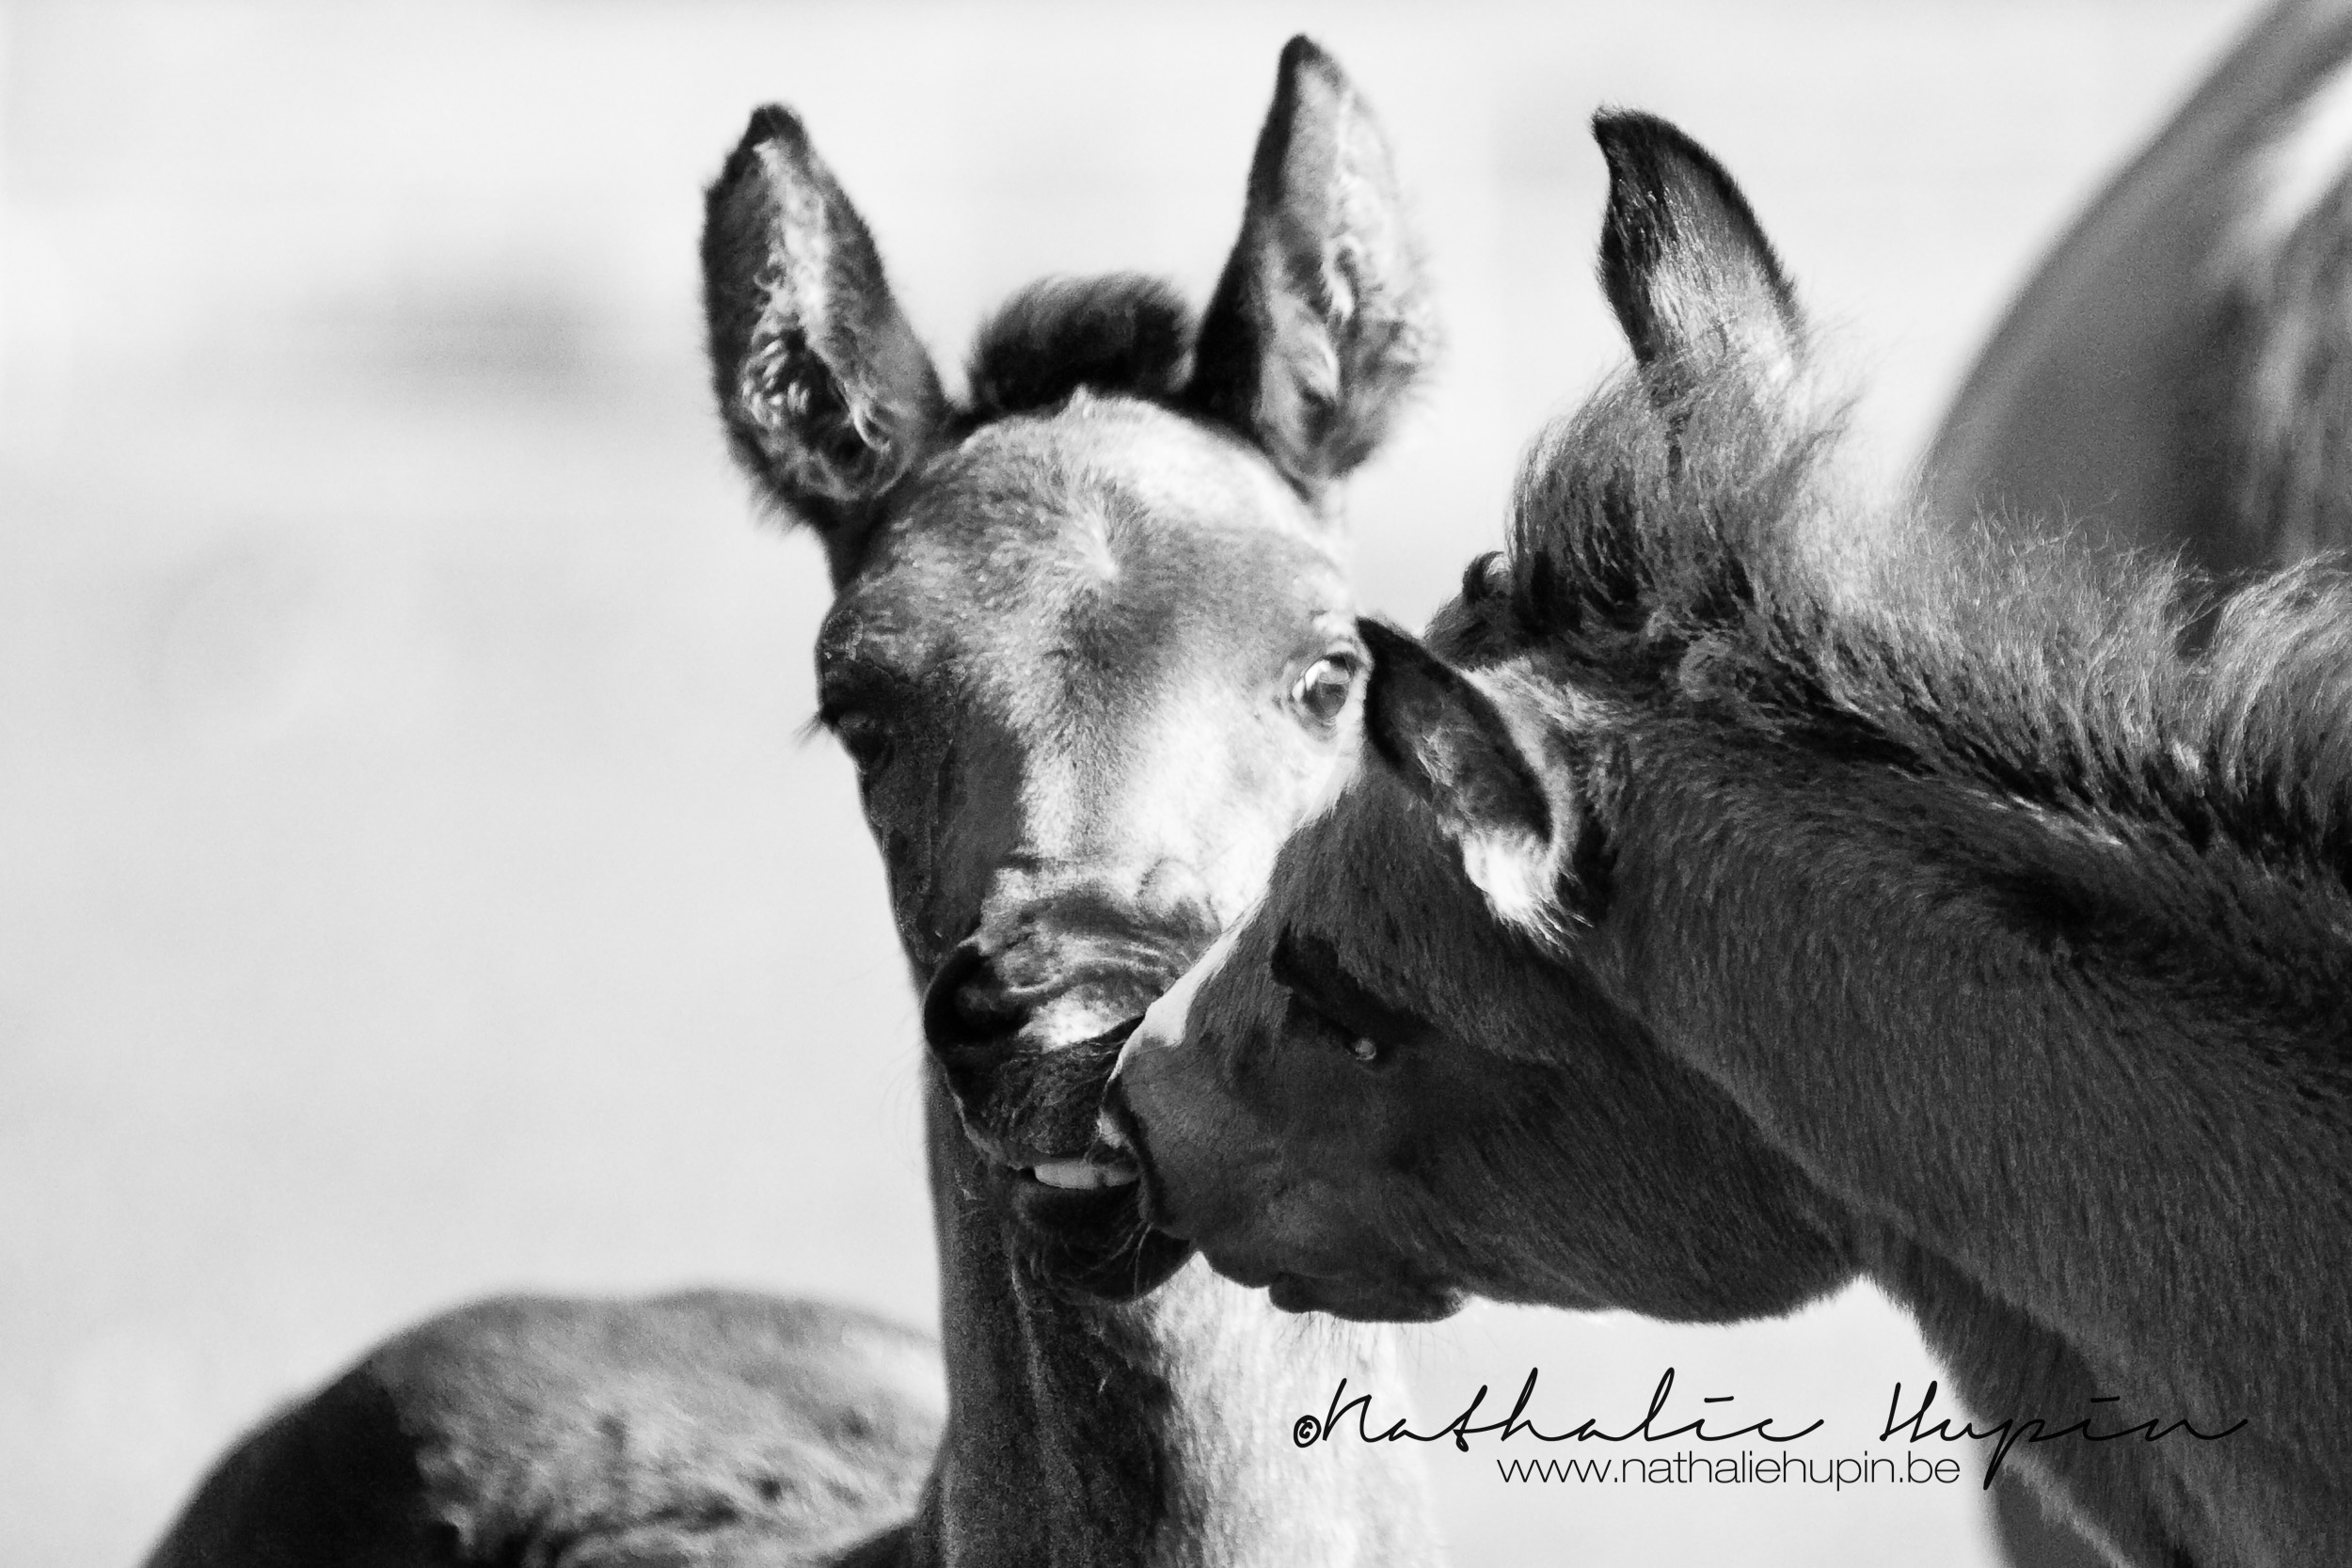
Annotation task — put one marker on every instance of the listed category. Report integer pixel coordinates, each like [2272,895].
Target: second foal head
[1404,1076]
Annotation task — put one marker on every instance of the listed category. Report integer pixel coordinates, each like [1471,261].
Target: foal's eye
[866,738]
[1304,1019]
[1323,692]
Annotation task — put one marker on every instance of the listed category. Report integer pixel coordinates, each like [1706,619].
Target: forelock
[1119,334]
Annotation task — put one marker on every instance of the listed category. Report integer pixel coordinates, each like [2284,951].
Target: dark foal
[1089,651]
[2022,932]
[1090,647]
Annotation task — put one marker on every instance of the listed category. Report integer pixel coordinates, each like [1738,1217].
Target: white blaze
[1164,1021]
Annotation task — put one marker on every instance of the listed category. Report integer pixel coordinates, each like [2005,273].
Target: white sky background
[412,886]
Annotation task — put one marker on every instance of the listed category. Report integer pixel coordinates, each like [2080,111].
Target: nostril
[940,997]
[959,1012]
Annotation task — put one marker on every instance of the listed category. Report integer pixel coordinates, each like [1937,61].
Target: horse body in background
[1090,648]
[2021,934]
[715,1428]
[2178,374]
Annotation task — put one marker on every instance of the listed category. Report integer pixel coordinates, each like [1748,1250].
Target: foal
[2023,934]
[1089,646]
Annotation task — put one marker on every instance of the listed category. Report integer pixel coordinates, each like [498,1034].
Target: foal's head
[1400,1077]
[1093,648]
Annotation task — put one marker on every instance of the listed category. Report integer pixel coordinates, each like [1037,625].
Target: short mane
[1665,548]
[1119,333]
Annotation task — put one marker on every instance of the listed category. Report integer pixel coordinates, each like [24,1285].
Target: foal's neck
[1158,1432]
[2097,1076]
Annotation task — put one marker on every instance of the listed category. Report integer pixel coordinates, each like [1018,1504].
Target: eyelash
[867,742]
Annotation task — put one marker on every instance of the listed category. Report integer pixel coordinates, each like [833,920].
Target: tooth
[1080,1174]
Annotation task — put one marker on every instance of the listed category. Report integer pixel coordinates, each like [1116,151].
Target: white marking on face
[1164,1021]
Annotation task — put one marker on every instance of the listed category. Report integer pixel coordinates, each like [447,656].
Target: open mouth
[1082,1176]
[1111,1161]
[1070,1188]
[1093,1238]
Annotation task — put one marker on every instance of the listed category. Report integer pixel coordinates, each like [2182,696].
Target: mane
[1119,333]
[1701,553]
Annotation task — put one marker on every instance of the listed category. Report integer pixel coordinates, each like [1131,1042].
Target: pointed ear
[1693,280]
[1447,740]
[827,396]
[1321,321]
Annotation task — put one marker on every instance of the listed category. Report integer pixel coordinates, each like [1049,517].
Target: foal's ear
[1688,271]
[1321,321]
[827,396]
[1448,741]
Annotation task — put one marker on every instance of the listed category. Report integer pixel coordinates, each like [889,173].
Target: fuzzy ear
[827,396]
[1693,280]
[1444,737]
[1321,321]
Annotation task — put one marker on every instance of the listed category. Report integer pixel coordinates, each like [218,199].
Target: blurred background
[413,883]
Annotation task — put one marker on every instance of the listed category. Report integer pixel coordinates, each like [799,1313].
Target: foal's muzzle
[1030,1105]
